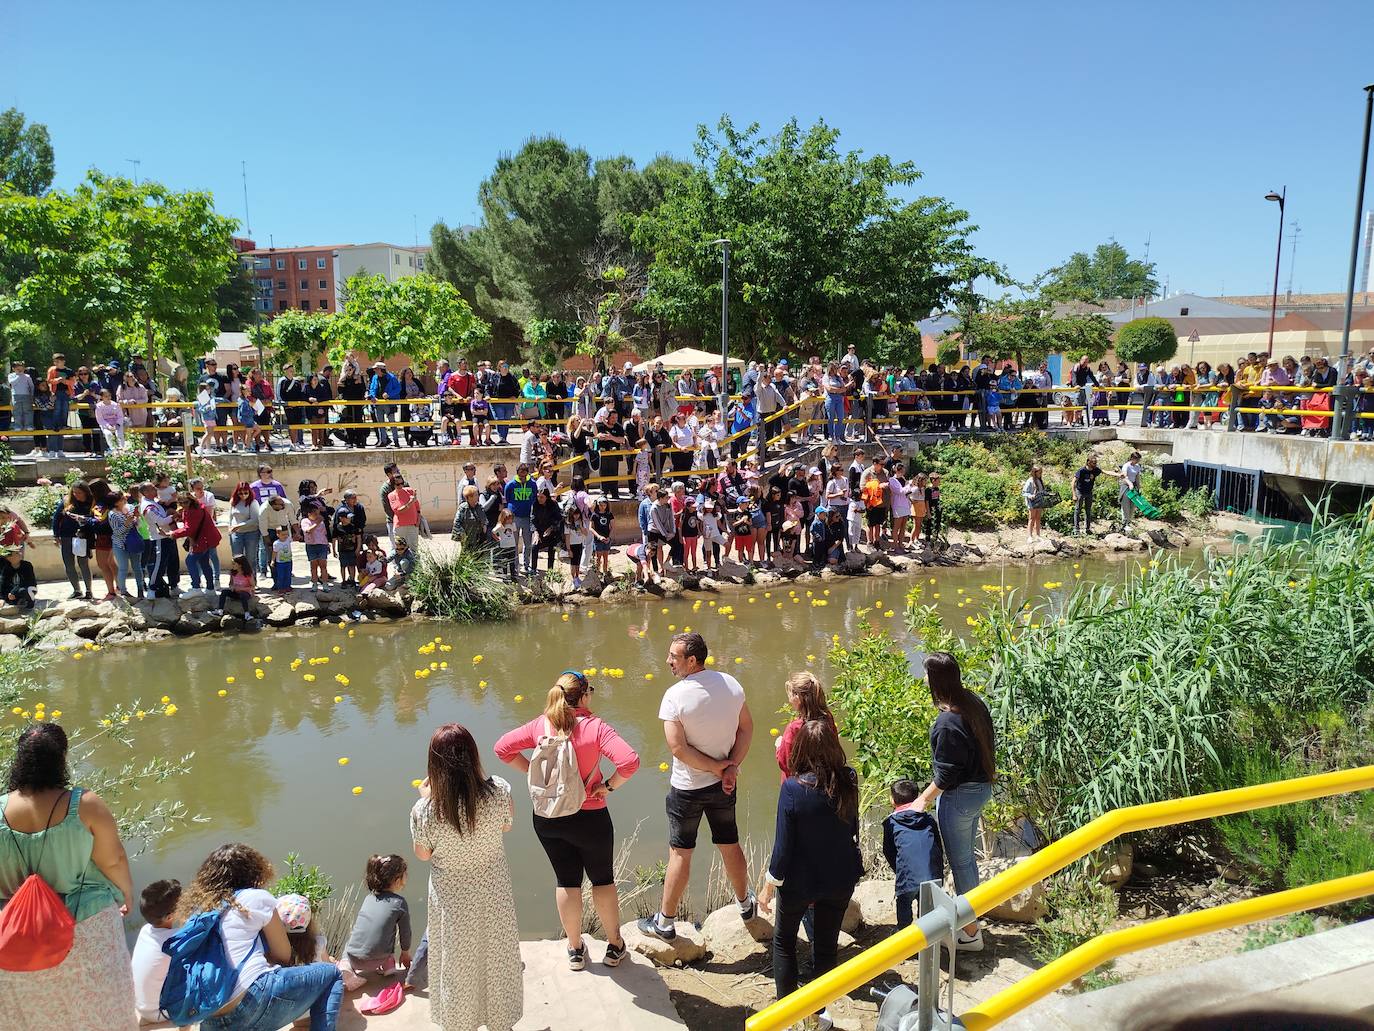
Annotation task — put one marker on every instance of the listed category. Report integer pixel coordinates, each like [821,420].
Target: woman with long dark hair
[963,756]
[582,843]
[66,835]
[74,528]
[474,946]
[816,861]
[270,990]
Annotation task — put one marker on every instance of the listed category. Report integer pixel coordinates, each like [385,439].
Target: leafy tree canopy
[295,335]
[234,298]
[1029,330]
[550,215]
[1108,272]
[112,255]
[1149,340]
[823,248]
[420,317]
[26,158]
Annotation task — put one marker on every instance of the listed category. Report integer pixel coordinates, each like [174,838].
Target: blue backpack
[199,981]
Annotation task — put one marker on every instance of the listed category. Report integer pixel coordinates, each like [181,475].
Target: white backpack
[556,787]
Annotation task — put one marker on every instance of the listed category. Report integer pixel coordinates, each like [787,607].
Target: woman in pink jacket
[582,842]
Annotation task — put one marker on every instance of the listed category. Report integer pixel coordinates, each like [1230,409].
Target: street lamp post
[1344,400]
[1281,197]
[724,246]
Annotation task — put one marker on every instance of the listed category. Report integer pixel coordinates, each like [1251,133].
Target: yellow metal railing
[1072,847]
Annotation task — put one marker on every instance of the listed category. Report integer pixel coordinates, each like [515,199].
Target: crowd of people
[675,412]
[229,953]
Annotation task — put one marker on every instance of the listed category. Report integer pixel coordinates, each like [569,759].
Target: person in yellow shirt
[1247,385]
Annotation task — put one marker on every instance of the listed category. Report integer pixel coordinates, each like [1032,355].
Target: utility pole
[1292,259]
[724,246]
[1345,396]
[247,218]
[135,162]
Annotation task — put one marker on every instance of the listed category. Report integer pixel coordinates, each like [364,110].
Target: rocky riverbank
[75,623]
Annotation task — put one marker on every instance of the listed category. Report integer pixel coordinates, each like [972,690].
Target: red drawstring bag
[36,928]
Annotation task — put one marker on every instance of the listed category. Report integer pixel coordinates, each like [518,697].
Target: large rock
[767,577]
[706,583]
[688,947]
[853,917]
[733,572]
[87,628]
[1115,869]
[279,611]
[877,902]
[592,582]
[196,601]
[1120,542]
[10,643]
[187,625]
[163,612]
[15,625]
[389,602]
[880,569]
[855,563]
[1024,908]
[729,938]
[72,609]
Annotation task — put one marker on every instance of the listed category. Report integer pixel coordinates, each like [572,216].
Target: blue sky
[1055,125]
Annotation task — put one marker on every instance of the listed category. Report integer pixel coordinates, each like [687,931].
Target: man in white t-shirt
[708,727]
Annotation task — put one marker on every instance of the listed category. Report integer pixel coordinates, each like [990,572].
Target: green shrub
[1123,693]
[1164,496]
[972,498]
[462,586]
[41,505]
[300,879]
[1081,908]
[1199,502]
[127,469]
[883,709]
[6,464]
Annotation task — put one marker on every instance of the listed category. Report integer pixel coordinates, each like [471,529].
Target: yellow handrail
[1050,860]
[1109,946]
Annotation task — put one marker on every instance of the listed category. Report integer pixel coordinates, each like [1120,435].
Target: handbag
[79,547]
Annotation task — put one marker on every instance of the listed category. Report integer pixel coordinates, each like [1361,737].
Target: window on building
[319,263]
[410,260]
[281,284]
[262,262]
[245,264]
[324,304]
[305,305]
[397,257]
[305,284]
[282,305]
[281,263]
[300,264]
[324,284]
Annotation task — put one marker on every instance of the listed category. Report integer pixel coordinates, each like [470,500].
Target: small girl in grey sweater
[383,918]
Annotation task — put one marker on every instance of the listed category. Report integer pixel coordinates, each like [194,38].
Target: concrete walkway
[632,997]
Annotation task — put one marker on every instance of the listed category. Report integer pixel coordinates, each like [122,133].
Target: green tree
[1149,340]
[1029,330]
[112,255]
[824,248]
[234,299]
[552,220]
[1108,272]
[26,158]
[417,316]
[297,336]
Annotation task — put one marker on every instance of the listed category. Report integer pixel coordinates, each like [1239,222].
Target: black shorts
[876,516]
[685,809]
[584,841]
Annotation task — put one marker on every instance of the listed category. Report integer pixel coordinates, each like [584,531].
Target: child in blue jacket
[911,844]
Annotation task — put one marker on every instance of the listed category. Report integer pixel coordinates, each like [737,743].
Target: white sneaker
[968,943]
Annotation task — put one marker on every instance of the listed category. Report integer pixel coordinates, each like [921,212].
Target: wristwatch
[609,789]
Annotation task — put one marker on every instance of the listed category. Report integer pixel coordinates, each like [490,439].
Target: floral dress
[476,978]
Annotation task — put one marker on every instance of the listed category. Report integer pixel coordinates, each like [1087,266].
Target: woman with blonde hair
[581,842]
[805,697]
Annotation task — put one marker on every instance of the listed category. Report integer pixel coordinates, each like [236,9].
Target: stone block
[877,902]
[729,938]
[1024,908]
[689,946]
